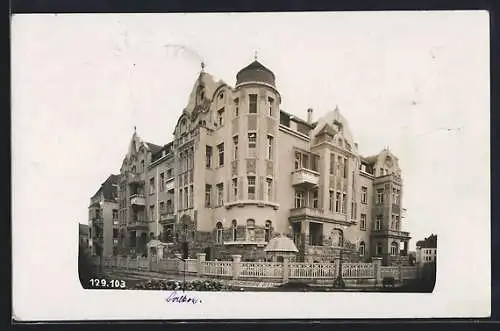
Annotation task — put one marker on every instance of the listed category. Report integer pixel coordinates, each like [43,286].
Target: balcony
[137,224]
[137,200]
[297,214]
[116,222]
[167,218]
[305,177]
[391,234]
[169,184]
[135,178]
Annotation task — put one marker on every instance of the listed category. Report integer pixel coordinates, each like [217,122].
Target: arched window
[394,248]
[234,226]
[219,233]
[362,248]
[268,231]
[250,230]
[378,250]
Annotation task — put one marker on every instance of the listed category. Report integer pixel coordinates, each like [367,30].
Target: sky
[415,82]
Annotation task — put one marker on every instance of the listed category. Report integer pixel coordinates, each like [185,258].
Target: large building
[427,250]
[240,170]
[103,218]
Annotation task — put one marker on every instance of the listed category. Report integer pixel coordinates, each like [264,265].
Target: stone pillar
[180,263]
[236,266]
[201,264]
[377,265]
[286,260]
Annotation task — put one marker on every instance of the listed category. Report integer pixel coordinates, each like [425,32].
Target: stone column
[286,260]
[201,263]
[180,263]
[377,264]
[236,266]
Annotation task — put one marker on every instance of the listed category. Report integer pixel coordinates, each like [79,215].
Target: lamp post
[339,281]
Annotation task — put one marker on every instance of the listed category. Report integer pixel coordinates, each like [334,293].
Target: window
[250,230]
[378,249]
[191,196]
[398,223]
[186,198]
[314,162]
[299,199]
[220,149]
[219,233]
[315,199]
[331,201]
[220,117]
[252,109]
[364,194]
[380,196]
[397,197]
[234,226]
[115,214]
[270,140]
[344,203]
[332,164]
[235,189]
[162,206]
[339,164]
[298,160]
[235,147]
[252,144]
[251,187]
[394,195]
[305,161]
[354,210]
[169,173]
[270,106]
[162,182]
[362,222]
[345,165]
[152,186]
[152,212]
[268,229]
[394,249]
[393,222]
[269,189]
[220,194]
[142,166]
[378,223]
[181,205]
[337,202]
[169,207]
[236,107]
[362,248]
[208,156]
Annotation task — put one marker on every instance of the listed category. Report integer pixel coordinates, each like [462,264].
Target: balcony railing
[305,177]
[391,233]
[135,178]
[137,223]
[137,200]
[167,217]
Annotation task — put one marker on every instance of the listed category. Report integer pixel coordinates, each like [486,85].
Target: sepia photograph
[255,155]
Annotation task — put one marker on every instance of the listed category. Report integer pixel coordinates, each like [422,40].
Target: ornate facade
[241,170]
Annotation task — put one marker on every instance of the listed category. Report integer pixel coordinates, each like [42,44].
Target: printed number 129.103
[104,283]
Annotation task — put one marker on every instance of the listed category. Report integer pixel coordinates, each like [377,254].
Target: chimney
[309,115]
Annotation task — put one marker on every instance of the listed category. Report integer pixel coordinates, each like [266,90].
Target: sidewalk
[146,275]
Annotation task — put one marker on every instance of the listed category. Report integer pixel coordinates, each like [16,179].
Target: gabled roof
[154,148]
[109,188]
[429,242]
[327,129]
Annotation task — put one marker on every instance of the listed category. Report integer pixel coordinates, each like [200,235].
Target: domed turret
[255,72]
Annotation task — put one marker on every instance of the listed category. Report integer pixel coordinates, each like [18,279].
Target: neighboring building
[427,250]
[83,234]
[240,170]
[103,218]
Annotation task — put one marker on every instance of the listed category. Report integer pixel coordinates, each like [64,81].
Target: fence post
[285,269]
[377,264]
[236,266]
[180,265]
[200,268]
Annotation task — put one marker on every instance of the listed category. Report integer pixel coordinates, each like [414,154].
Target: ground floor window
[362,248]
[219,233]
[394,249]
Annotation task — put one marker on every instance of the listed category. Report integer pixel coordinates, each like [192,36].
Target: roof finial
[202,66]
[255,55]
[135,129]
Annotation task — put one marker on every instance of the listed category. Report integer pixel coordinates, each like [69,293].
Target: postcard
[251,165]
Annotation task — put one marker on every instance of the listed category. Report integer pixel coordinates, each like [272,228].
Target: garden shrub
[178,285]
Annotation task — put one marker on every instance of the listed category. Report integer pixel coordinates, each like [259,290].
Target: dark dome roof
[255,72]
